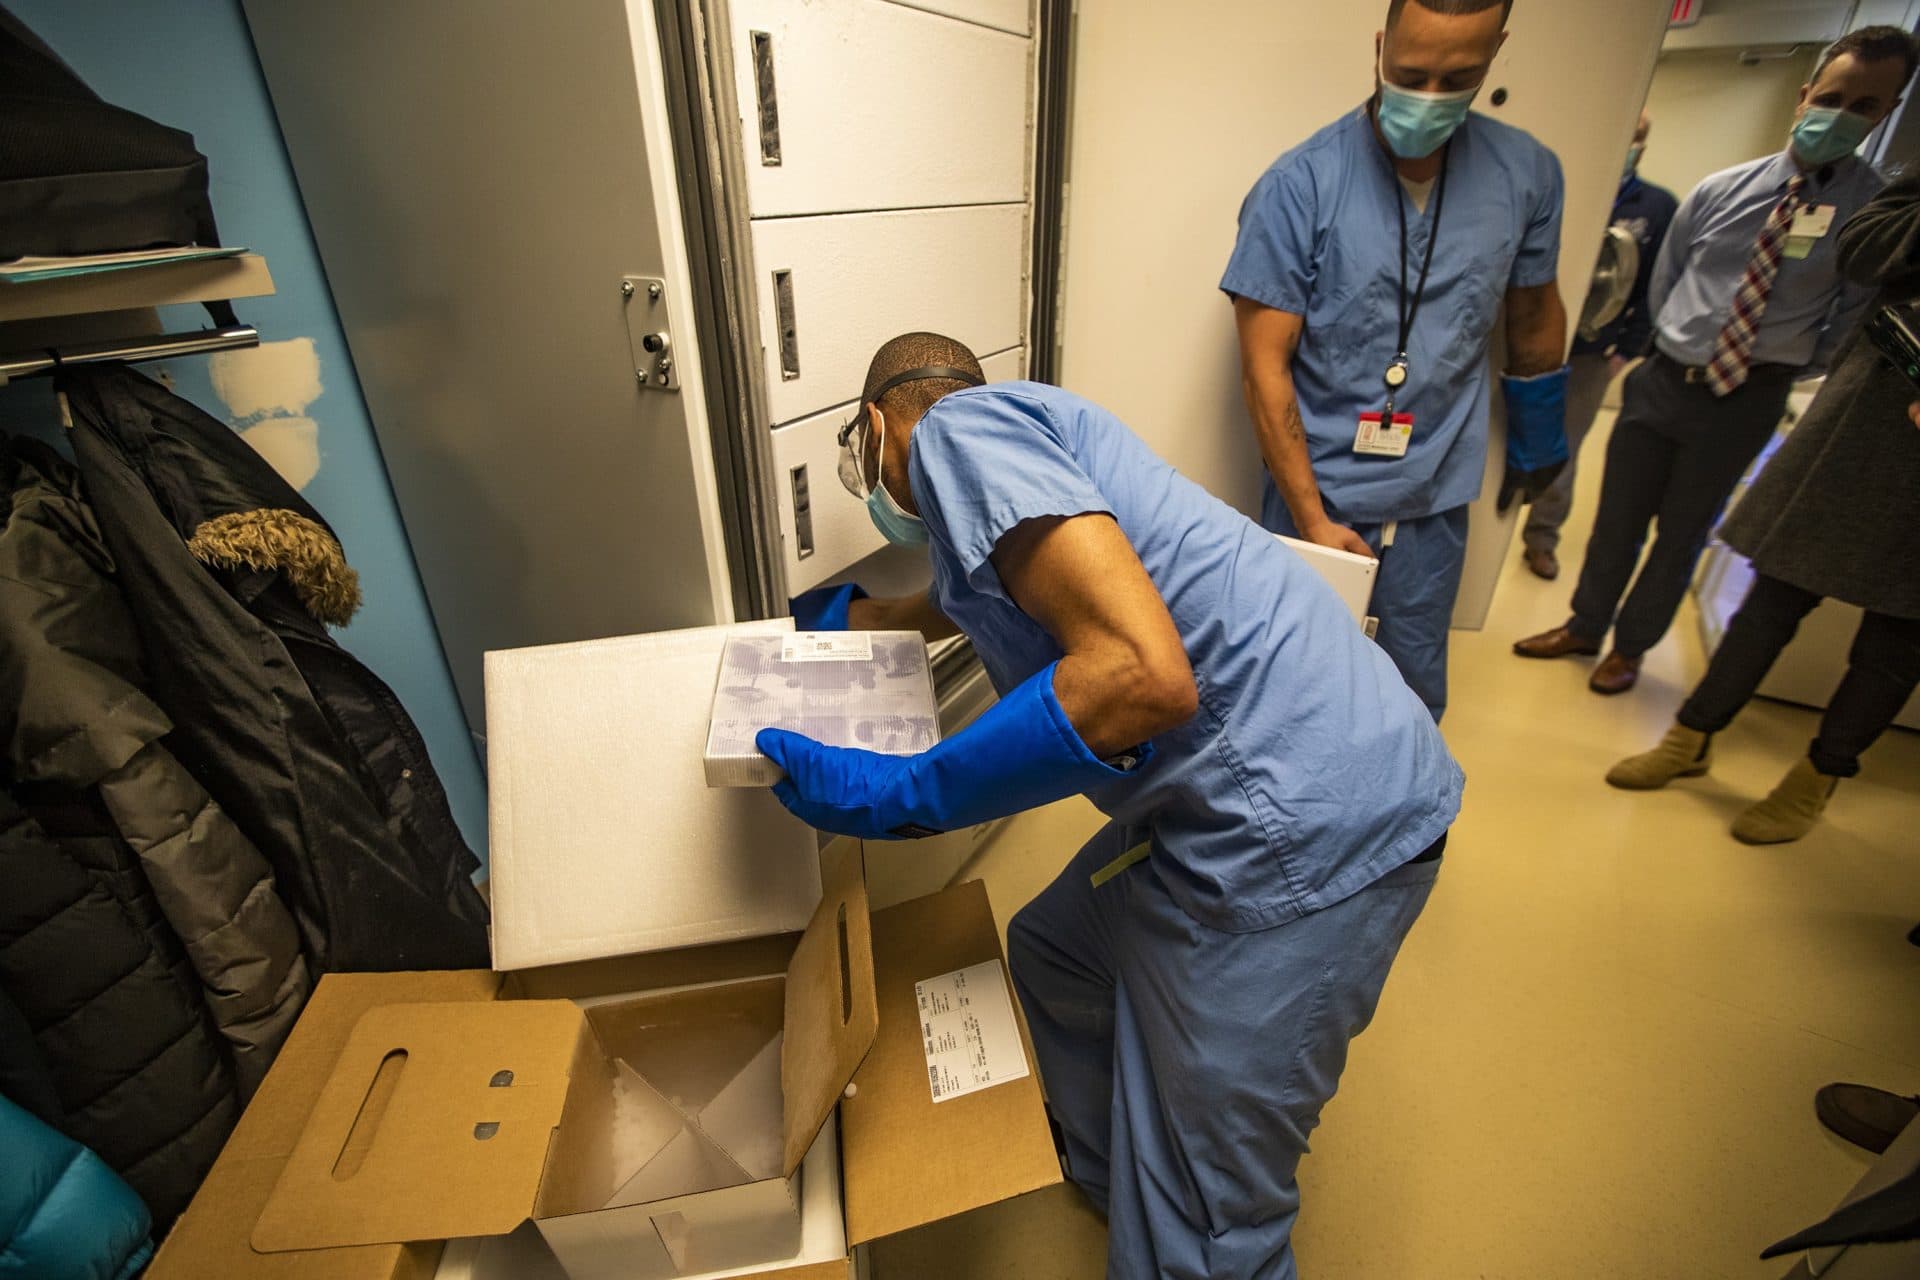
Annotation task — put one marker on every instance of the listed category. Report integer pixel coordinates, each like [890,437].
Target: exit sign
[1685,13]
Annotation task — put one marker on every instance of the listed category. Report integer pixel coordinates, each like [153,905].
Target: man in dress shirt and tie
[1748,299]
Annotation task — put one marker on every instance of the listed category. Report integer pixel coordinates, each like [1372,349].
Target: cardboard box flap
[435,1123]
[831,1014]
[907,1159]
[604,837]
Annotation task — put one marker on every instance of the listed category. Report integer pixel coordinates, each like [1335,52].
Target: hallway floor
[1598,1050]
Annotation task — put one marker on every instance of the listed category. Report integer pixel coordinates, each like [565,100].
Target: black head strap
[925,373]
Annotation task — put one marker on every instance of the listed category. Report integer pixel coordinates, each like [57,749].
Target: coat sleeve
[1880,245]
[139,1076]
[218,894]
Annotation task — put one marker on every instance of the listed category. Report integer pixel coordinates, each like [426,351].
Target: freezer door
[482,188]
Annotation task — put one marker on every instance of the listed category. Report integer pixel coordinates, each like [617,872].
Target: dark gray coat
[1837,509]
[81,748]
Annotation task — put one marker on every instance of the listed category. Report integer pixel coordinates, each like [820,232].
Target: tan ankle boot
[1791,811]
[1683,753]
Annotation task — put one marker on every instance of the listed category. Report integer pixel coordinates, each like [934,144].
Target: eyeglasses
[860,464]
[855,461]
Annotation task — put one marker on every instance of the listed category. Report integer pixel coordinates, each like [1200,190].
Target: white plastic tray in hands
[868,689]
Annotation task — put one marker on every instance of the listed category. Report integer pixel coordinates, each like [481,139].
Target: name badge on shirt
[1810,224]
[1812,221]
[1379,438]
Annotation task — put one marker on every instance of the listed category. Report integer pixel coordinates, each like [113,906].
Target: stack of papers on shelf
[29,269]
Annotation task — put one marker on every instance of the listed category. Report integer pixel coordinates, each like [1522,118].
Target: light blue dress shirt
[1319,238]
[1810,309]
[1310,770]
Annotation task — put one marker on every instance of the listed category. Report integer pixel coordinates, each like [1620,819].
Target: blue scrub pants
[1187,1066]
[1413,594]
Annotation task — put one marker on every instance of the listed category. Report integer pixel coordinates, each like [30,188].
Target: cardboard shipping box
[651,1109]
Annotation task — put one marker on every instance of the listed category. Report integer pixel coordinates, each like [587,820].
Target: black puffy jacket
[83,757]
[119,1054]
[309,751]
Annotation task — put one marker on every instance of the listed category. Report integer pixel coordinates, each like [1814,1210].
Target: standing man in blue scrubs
[1748,297]
[1278,799]
[1371,263]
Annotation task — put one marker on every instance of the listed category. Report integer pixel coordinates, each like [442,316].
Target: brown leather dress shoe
[1557,643]
[1616,673]
[1543,563]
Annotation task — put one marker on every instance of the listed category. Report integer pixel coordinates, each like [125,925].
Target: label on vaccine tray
[826,646]
[968,1028]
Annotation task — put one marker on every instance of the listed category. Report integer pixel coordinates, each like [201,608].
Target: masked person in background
[1279,799]
[1371,262]
[1747,297]
[1643,211]
[1835,513]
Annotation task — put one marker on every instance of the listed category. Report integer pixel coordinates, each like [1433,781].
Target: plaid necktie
[1732,356]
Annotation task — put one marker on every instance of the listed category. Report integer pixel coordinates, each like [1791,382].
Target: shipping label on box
[972,1040]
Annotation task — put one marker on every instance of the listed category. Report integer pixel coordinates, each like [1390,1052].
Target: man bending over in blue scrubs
[1278,798]
[1371,261]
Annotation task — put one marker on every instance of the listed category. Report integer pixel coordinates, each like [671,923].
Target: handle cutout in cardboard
[831,1015]
[373,1108]
[846,977]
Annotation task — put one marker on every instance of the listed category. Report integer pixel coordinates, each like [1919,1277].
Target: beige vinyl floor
[1597,1053]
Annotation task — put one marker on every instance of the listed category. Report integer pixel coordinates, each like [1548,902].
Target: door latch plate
[650,337]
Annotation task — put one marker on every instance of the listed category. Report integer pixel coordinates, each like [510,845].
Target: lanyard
[1407,309]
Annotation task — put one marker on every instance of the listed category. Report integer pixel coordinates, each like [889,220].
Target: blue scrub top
[1319,238]
[1310,769]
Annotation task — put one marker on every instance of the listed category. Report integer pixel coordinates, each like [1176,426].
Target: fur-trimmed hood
[275,539]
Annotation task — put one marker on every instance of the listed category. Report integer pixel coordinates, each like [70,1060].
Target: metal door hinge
[650,333]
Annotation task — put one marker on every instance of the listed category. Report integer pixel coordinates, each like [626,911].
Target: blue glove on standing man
[1536,433]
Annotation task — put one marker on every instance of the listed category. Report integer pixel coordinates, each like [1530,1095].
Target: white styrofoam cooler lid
[605,838]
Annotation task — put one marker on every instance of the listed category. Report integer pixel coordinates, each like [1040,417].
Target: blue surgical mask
[893,522]
[888,516]
[1634,153]
[1418,124]
[1823,135]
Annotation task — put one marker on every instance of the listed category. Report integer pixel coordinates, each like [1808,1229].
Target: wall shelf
[136,288]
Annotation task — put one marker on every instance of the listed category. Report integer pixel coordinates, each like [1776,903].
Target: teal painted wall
[192,66]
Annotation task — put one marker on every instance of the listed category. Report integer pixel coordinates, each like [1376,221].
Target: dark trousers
[1676,453]
[1883,669]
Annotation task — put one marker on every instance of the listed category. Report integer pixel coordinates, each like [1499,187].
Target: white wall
[1710,112]
[1178,108]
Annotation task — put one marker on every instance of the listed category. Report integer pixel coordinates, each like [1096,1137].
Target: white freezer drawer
[841,534]
[1008,15]
[832,289]
[850,105]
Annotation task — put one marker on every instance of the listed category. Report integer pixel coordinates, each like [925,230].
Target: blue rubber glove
[1022,753]
[824,608]
[1536,434]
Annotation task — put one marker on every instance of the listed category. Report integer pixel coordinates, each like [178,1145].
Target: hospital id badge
[1379,438]
[1812,221]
